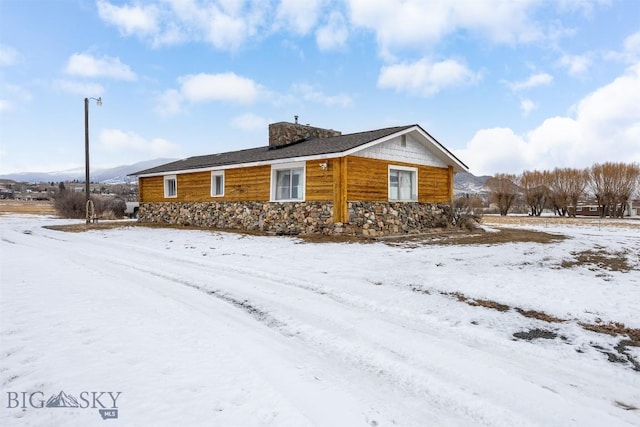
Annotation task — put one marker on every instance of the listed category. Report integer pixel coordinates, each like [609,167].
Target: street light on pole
[87,187]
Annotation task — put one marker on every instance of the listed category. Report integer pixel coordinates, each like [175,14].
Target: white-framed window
[170,186]
[217,183]
[403,184]
[287,182]
[593,209]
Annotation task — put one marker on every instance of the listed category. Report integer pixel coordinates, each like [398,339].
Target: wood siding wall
[151,189]
[366,180]
[247,184]
[241,185]
[319,182]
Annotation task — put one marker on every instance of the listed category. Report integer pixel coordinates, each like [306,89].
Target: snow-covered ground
[197,328]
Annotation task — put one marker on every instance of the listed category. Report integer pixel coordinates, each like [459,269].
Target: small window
[170,186]
[593,209]
[579,209]
[287,182]
[403,184]
[217,184]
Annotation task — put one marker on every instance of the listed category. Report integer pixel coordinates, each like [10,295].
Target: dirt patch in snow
[613,329]
[498,236]
[436,237]
[478,302]
[540,315]
[629,337]
[535,334]
[599,258]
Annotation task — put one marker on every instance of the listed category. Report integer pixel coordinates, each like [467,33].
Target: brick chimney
[283,133]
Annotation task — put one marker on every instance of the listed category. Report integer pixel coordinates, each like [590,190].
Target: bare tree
[566,188]
[534,187]
[625,186]
[502,191]
[613,184]
[577,180]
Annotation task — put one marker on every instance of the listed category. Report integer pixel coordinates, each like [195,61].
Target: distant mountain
[467,183]
[464,182]
[114,175]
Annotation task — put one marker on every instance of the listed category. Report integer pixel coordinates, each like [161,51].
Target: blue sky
[507,85]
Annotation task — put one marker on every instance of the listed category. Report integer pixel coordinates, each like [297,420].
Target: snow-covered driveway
[198,328]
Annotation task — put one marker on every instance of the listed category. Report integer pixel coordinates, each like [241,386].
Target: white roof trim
[250,164]
[434,145]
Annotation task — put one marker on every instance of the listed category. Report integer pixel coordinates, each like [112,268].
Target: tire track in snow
[397,368]
[393,366]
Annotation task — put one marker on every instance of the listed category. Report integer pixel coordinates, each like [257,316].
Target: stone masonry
[283,133]
[368,219]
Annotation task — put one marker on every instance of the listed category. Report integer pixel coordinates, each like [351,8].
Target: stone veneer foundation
[365,218]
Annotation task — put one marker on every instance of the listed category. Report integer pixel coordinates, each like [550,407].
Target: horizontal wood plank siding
[243,184]
[247,184]
[151,189]
[319,182]
[357,178]
[433,184]
[193,187]
[367,179]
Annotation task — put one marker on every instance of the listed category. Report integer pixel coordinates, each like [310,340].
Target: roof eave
[243,165]
[443,153]
[447,156]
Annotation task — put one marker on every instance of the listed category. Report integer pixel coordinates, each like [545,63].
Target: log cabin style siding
[366,180]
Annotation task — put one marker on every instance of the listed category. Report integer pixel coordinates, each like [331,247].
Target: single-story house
[309,180]
[591,208]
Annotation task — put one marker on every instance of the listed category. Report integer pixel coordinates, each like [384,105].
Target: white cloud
[630,50]
[576,65]
[250,122]
[84,65]
[226,31]
[225,24]
[16,95]
[116,140]
[605,127]
[5,105]
[632,44]
[219,87]
[424,77]
[417,23]
[494,150]
[130,20]
[8,56]
[196,88]
[81,88]
[584,6]
[299,16]
[169,103]
[527,106]
[540,79]
[309,93]
[334,34]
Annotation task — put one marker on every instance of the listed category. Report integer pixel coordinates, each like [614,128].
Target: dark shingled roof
[311,147]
